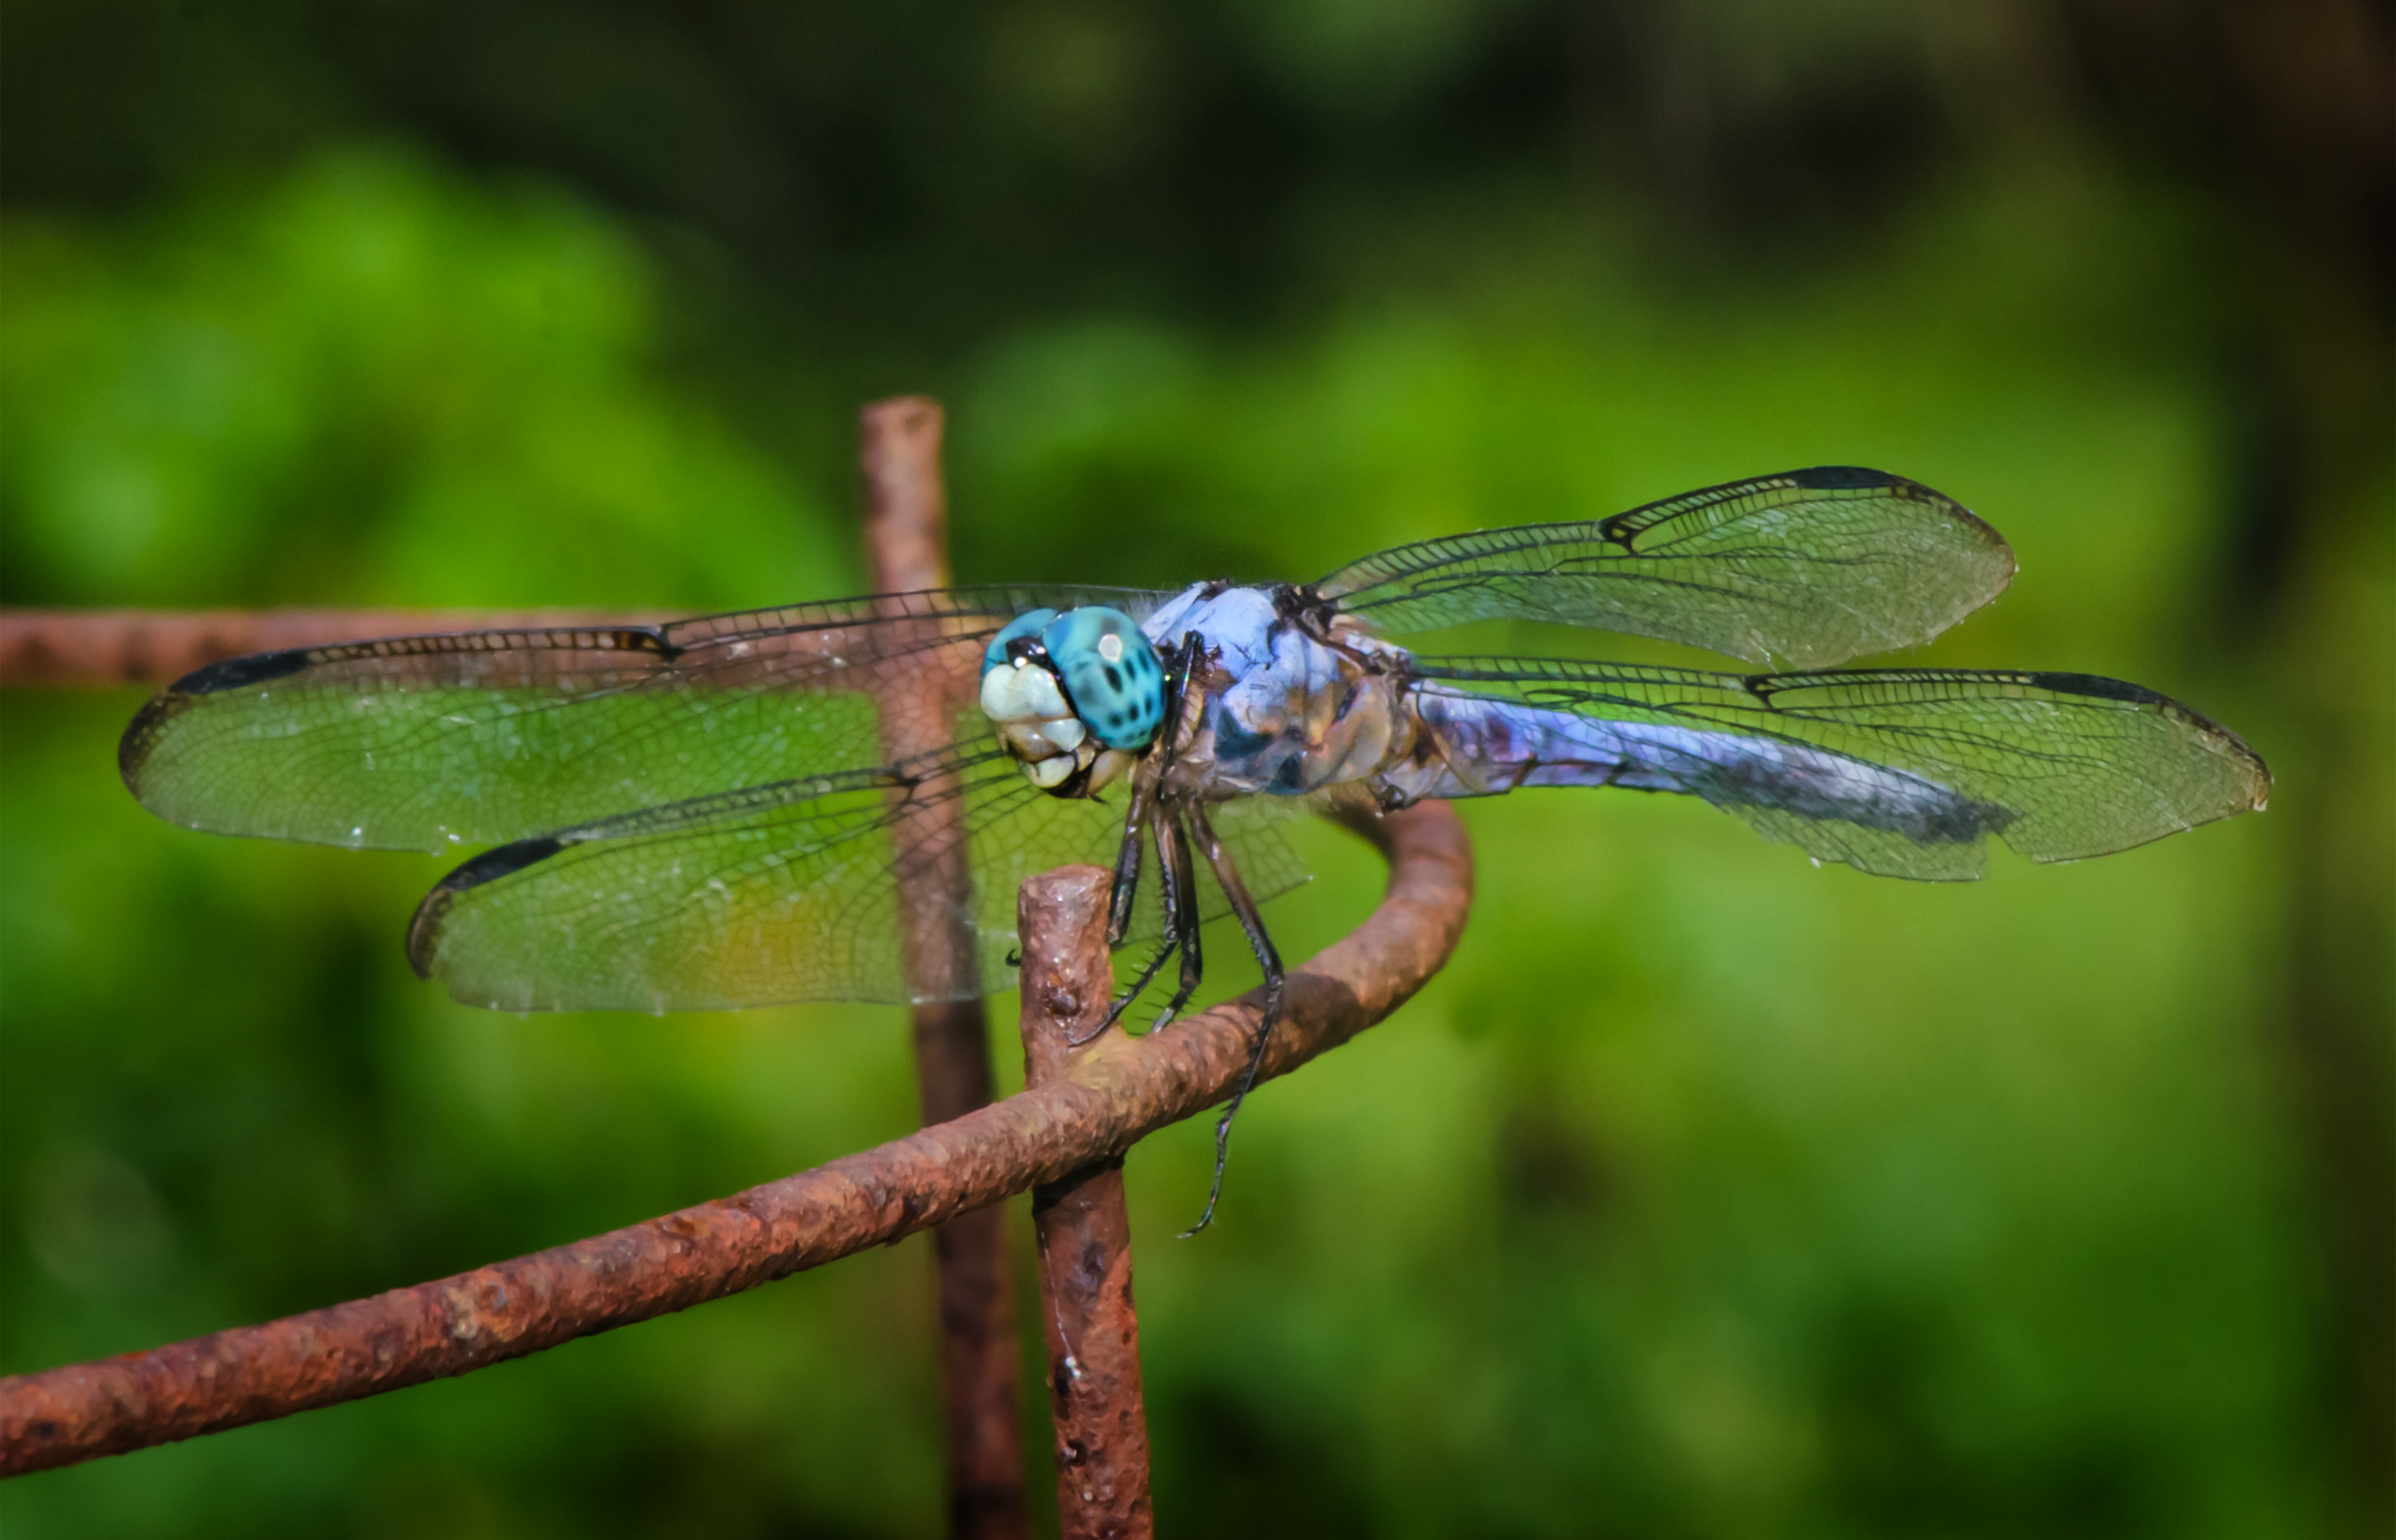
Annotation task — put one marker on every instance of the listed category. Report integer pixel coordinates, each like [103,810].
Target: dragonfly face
[1076,697]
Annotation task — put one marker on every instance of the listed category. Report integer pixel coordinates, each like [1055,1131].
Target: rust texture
[1083,1230]
[1111,1096]
[906,546]
[103,648]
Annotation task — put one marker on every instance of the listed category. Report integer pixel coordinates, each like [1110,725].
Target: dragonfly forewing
[1807,567]
[431,742]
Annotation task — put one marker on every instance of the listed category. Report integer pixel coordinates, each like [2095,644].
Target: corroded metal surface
[1122,1090]
[906,547]
[1083,1230]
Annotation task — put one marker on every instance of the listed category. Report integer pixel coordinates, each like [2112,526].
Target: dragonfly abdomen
[1475,745]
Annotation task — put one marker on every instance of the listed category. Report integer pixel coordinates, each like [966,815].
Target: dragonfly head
[1077,696]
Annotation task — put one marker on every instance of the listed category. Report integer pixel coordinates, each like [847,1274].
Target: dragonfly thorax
[1077,696]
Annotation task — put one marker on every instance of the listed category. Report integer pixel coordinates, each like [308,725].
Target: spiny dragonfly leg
[1123,1002]
[1269,958]
[1126,882]
[1127,855]
[1141,819]
[1181,878]
[1137,817]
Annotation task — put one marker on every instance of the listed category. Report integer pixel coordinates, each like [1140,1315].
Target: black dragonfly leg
[1269,958]
[1126,882]
[1181,878]
[1127,855]
[1182,664]
[1148,973]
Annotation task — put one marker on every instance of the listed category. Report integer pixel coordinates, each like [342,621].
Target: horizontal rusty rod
[97,649]
[1082,1222]
[1108,1100]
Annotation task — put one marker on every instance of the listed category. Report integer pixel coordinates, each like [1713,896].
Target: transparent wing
[1897,772]
[428,742]
[1809,567]
[777,892]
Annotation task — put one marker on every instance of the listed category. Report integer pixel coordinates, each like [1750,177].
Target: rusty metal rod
[1083,1230]
[905,547]
[1108,1100]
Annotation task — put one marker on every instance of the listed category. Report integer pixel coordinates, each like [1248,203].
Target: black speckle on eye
[1114,679]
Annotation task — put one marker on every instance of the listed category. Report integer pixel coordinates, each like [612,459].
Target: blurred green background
[1706,1193]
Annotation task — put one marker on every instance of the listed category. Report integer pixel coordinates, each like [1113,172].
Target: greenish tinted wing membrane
[431,742]
[1897,772]
[1808,568]
[770,895]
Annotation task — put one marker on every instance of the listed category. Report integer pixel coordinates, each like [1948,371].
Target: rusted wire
[1084,1229]
[1108,1099]
[906,546]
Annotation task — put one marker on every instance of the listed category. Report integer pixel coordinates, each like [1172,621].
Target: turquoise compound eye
[1111,674]
[1023,625]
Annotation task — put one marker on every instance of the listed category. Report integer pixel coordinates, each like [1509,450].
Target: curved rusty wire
[1108,1101]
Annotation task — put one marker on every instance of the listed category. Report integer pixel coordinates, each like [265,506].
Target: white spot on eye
[1111,648]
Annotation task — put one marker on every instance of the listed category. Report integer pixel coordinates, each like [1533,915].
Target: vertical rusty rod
[905,544]
[1084,1231]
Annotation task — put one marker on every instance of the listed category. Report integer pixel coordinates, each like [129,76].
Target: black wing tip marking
[2100,688]
[238,674]
[500,861]
[1863,478]
[424,929]
[148,725]
[1845,478]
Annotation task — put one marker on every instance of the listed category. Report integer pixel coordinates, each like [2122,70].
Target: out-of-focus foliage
[355,386]
[1706,1194]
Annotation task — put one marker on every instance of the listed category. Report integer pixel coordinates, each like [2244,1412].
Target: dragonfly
[748,809]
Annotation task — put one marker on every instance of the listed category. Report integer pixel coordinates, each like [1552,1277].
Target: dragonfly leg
[1180,877]
[1128,858]
[1154,965]
[1126,883]
[1182,661]
[1269,958]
